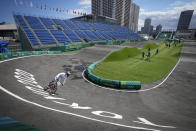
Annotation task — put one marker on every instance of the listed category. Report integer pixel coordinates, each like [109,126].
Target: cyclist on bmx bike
[60,79]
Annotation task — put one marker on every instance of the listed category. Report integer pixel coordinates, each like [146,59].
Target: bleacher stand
[165,35]
[31,37]
[47,22]
[72,36]
[47,31]
[59,35]
[45,37]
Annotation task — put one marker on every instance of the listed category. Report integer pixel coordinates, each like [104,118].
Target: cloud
[177,3]
[85,3]
[168,18]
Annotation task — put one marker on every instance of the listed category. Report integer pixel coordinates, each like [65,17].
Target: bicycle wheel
[46,88]
[53,91]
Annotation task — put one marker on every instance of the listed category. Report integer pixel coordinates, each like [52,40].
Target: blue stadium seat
[82,35]
[105,35]
[45,37]
[47,22]
[34,22]
[71,25]
[21,21]
[109,33]
[92,36]
[72,36]
[99,35]
[60,22]
[81,25]
[70,31]
[60,36]
[31,37]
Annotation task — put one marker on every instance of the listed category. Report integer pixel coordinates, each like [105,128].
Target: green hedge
[110,83]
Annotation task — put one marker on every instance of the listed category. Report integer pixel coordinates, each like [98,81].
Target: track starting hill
[165,35]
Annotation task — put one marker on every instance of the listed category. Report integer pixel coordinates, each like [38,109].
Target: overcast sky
[165,12]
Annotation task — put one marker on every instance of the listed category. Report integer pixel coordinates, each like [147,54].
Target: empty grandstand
[165,35]
[39,32]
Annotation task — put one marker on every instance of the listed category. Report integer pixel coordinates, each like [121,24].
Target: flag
[56,9]
[31,4]
[21,2]
[37,5]
[45,7]
[15,2]
[41,7]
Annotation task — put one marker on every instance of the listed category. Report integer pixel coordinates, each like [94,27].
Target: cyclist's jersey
[61,77]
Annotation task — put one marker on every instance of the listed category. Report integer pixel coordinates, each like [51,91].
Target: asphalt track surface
[81,106]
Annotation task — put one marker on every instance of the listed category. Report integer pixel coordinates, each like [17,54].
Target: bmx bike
[51,87]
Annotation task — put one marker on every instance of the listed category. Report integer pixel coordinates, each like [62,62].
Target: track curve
[87,107]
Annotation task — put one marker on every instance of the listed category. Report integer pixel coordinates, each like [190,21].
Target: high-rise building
[158,28]
[151,30]
[142,30]
[147,26]
[185,19]
[124,11]
[103,8]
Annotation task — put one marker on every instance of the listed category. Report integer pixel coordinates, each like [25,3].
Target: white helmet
[68,73]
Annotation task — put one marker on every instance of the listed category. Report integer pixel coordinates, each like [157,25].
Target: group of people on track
[149,54]
[157,50]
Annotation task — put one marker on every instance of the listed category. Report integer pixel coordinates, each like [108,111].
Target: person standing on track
[148,55]
[143,54]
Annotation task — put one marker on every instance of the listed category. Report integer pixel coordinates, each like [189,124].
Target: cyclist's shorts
[58,83]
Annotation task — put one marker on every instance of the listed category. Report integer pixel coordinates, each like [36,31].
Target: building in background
[186,34]
[103,8]
[134,16]
[147,27]
[151,30]
[158,28]
[8,33]
[183,30]
[184,20]
[124,11]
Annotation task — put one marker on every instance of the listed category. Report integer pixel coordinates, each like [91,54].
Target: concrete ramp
[97,52]
[189,51]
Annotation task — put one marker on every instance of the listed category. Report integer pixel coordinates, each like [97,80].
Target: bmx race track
[82,106]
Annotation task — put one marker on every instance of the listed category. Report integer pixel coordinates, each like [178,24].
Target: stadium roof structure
[8,27]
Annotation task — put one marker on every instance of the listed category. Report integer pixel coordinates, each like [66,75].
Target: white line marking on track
[54,98]
[144,121]
[73,105]
[35,89]
[41,93]
[69,113]
[108,88]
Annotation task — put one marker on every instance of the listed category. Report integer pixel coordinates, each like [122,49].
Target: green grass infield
[127,64]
